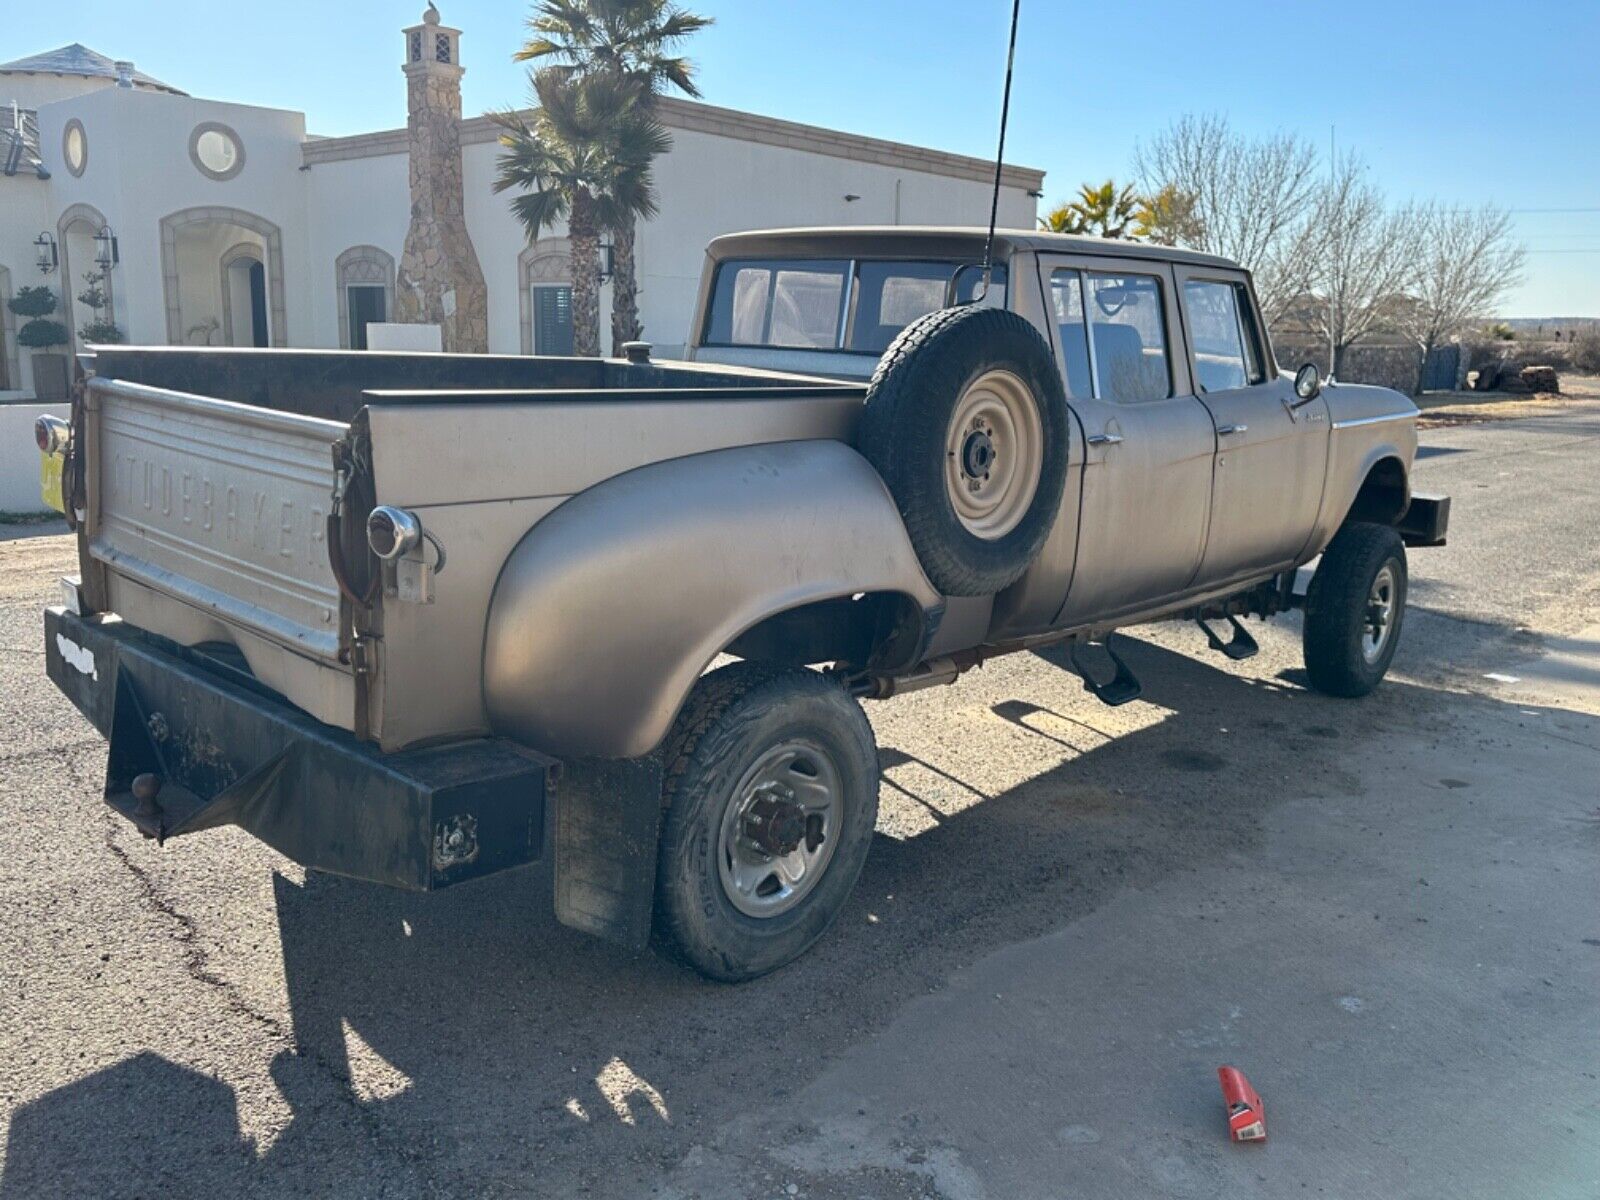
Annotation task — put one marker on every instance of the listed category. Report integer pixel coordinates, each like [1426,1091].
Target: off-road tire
[910,403]
[732,715]
[1336,609]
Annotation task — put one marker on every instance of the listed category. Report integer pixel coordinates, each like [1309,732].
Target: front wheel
[771,796]
[1354,607]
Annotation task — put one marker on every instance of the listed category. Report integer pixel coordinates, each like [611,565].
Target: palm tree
[631,41]
[1104,211]
[583,156]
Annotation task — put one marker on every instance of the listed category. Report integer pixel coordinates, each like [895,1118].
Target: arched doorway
[75,233]
[544,276]
[246,320]
[364,276]
[10,363]
[222,273]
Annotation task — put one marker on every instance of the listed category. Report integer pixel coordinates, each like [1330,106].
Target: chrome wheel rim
[1378,621]
[993,454]
[780,829]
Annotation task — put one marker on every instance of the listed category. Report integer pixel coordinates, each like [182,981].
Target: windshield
[855,305]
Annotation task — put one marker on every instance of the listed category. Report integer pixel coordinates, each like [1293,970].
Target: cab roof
[937,241]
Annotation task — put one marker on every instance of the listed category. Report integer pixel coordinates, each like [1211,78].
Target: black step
[1120,688]
[1240,646]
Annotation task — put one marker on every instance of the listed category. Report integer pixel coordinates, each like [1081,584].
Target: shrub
[41,334]
[100,333]
[1584,350]
[33,302]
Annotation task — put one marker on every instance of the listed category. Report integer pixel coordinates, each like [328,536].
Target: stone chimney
[439,281]
[124,70]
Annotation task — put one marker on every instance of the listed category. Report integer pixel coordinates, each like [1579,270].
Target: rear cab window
[1225,340]
[851,305]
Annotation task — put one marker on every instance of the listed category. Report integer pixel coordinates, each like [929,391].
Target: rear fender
[614,604]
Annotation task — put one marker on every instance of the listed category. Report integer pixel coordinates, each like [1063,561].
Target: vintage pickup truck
[419,618]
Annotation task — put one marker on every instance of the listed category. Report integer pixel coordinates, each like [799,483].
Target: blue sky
[1400,80]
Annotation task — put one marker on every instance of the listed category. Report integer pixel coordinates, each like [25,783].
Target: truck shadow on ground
[465,1044]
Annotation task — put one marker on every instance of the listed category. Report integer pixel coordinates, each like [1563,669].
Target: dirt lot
[1386,912]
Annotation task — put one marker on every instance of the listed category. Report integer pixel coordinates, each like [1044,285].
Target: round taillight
[392,532]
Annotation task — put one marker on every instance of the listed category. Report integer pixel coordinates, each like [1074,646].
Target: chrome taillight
[52,435]
[392,532]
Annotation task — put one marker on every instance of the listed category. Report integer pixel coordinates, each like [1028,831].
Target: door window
[552,319]
[1128,332]
[1066,290]
[366,304]
[1227,352]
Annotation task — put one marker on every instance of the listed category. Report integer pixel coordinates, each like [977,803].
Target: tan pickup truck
[419,618]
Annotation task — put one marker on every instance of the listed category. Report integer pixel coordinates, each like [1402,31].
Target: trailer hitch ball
[145,788]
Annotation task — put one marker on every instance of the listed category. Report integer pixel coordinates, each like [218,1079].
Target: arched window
[75,233]
[364,279]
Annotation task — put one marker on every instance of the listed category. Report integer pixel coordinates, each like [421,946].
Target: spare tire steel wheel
[966,421]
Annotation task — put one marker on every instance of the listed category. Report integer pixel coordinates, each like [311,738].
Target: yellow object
[50,468]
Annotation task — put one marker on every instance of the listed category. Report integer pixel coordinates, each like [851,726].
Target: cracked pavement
[1386,912]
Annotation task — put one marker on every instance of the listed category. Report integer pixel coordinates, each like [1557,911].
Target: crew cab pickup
[419,618]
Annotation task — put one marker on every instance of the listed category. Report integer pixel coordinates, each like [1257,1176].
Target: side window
[1066,290]
[1227,348]
[1129,333]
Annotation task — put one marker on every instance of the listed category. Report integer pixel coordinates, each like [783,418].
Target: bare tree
[1467,259]
[1357,260]
[1249,197]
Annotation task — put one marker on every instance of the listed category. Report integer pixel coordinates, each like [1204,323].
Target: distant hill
[1548,327]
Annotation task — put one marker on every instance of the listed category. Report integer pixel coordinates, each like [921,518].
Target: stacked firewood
[1514,377]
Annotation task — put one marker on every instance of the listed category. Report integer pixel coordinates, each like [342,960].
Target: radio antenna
[999,158]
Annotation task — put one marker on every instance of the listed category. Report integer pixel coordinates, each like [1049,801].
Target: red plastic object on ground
[1247,1116]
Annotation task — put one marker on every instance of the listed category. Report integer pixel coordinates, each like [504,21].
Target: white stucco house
[226,224]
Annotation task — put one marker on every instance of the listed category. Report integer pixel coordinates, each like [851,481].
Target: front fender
[1370,424]
[614,604]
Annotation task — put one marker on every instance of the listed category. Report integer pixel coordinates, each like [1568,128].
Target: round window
[216,150]
[75,146]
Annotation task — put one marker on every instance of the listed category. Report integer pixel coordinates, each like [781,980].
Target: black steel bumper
[1427,521]
[226,753]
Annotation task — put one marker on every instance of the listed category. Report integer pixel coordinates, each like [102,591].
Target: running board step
[1240,646]
[1120,688]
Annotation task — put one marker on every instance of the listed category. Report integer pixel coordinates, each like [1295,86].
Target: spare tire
[966,421]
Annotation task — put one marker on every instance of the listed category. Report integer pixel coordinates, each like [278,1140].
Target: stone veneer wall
[439,261]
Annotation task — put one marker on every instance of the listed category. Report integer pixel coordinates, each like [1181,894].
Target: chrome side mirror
[1308,383]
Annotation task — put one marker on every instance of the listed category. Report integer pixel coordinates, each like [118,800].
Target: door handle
[1104,439]
[1230,430]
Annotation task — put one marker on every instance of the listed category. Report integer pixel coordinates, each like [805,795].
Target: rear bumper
[228,753]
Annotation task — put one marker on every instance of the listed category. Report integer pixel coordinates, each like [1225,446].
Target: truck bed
[334,385]
[209,477]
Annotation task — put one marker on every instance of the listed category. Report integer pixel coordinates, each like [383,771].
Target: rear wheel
[1354,609]
[771,795]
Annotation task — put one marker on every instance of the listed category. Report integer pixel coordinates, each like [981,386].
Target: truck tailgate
[218,505]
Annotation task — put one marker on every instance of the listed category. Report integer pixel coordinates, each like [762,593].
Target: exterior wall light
[45,253]
[106,253]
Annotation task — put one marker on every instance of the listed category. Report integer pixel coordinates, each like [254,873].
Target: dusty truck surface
[416,619]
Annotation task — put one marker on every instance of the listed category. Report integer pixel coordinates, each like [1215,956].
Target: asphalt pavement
[1386,912]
